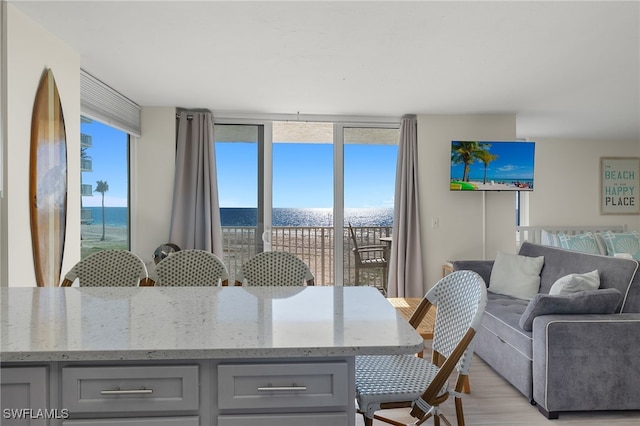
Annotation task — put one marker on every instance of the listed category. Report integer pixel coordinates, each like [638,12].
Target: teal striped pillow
[622,242]
[585,243]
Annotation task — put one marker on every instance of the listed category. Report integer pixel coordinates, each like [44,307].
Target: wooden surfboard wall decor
[48,183]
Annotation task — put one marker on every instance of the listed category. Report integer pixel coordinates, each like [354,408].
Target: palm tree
[486,157]
[463,152]
[102,187]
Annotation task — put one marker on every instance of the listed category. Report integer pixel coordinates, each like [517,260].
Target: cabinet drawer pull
[118,391]
[293,387]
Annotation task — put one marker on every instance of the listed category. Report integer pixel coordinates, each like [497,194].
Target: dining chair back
[279,268]
[107,268]
[394,381]
[369,256]
[191,268]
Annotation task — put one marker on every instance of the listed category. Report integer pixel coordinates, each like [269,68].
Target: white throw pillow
[574,283]
[516,276]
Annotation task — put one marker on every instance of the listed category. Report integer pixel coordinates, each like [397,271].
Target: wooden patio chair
[369,256]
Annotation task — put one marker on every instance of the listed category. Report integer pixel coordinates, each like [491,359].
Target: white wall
[30,50]
[460,214]
[152,185]
[568,182]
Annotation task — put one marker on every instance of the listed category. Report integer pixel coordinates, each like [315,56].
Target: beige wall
[30,50]
[152,183]
[568,182]
[461,216]
[477,225]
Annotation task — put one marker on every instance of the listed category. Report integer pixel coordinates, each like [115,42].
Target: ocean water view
[308,232]
[235,216]
[114,216]
[232,216]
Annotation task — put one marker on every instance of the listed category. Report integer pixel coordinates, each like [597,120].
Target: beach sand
[495,186]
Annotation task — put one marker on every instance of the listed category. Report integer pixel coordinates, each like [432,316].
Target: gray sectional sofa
[567,362]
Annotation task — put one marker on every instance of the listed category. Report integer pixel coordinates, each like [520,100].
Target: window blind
[100,102]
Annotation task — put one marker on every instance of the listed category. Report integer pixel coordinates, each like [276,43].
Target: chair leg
[467,385]
[367,420]
[459,412]
[385,280]
[436,420]
[461,384]
[444,420]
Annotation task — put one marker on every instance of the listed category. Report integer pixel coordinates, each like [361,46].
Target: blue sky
[303,172]
[515,161]
[303,175]
[109,163]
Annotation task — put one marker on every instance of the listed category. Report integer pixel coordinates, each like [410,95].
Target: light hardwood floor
[493,401]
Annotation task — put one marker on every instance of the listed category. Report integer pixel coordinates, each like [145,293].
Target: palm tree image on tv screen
[492,166]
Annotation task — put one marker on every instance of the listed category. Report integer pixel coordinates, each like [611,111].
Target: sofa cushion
[614,272]
[501,318]
[622,243]
[516,276]
[574,283]
[584,302]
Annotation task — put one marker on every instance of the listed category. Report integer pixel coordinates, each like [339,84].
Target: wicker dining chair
[274,268]
[108,268]
[395,381]
[191,268]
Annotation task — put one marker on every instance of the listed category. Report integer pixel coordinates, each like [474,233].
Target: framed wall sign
[619,185]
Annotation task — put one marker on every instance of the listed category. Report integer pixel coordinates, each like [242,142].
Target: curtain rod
[255,117]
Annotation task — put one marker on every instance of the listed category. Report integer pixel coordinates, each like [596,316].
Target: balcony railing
[86,190]
[313,244]
[86,216]
[86,165]
[85,140]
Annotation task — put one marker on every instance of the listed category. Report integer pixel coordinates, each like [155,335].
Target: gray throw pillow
[604,301]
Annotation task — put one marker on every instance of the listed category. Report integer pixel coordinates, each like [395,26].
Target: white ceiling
[566,69]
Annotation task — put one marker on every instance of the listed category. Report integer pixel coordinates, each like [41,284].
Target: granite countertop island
[147,323]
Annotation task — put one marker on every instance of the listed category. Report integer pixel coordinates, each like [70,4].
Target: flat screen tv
[492,166]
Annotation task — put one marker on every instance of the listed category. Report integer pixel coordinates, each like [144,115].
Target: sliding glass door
[369,158]
[245,207]
[293,186]
[303,194]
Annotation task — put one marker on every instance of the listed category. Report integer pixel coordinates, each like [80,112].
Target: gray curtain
[405,260]
[195,217]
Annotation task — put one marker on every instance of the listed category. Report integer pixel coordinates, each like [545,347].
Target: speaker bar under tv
[492,166]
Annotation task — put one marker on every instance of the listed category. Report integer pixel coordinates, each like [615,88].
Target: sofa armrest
[481,267]
[586,362]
